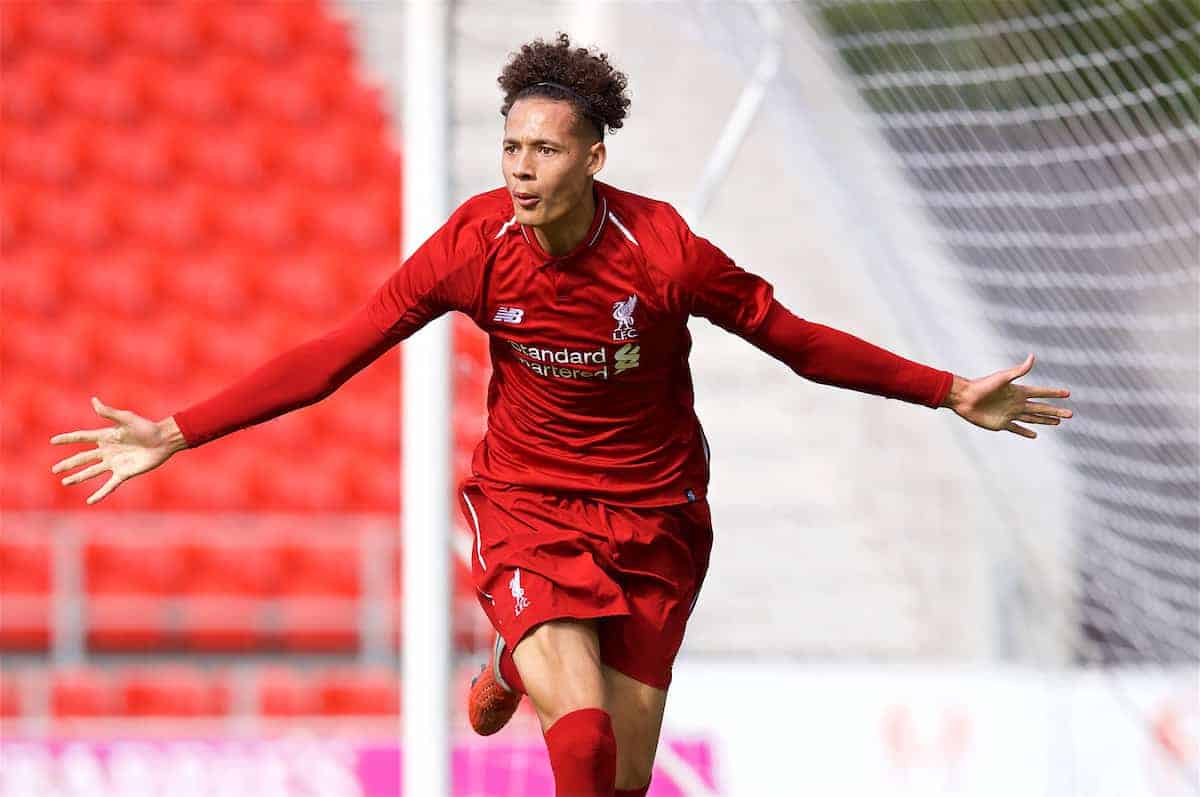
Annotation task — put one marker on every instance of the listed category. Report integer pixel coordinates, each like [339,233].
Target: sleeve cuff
[945,381]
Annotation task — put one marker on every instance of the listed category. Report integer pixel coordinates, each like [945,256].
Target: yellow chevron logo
[627,357]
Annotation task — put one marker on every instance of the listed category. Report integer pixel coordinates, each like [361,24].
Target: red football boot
[491,702]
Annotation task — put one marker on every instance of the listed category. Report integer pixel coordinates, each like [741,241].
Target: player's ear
[597,154]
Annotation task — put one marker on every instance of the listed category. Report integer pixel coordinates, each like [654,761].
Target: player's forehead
[536,120]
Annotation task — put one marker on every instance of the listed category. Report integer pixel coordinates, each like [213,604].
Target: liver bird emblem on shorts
[520,602]
[623,314]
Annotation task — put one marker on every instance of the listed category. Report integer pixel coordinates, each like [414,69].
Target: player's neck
[565,234]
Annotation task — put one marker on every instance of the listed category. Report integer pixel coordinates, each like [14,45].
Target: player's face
[547,155]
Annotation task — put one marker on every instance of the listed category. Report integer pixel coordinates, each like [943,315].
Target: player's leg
[637,712]
[559,665]
[638,650]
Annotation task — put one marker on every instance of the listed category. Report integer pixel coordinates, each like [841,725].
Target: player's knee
[634,778]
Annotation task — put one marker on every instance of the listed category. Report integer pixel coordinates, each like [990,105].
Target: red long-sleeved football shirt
[591,390]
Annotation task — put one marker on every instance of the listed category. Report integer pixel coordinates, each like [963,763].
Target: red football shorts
[541,556]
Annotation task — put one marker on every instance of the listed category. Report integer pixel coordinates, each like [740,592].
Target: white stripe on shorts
[478,543]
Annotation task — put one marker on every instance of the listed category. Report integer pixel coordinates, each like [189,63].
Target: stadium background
[898,603]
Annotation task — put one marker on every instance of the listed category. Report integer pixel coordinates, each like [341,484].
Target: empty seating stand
[189,189]
[183,691]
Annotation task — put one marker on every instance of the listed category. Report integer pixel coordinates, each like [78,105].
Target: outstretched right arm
[437,277]
[298,377]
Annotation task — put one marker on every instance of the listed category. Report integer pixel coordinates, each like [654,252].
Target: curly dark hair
[599,89]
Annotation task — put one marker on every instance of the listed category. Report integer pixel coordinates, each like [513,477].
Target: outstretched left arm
[829,356]
[712,286]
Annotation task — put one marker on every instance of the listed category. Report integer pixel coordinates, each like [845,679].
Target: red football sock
[583,754]
[632,792]
[508,671]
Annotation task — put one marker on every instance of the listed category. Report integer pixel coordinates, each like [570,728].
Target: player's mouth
[526,201]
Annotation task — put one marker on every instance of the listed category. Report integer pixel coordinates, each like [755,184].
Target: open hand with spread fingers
[994,402]
[131,446]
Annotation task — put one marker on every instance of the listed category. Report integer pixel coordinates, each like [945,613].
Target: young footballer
[587,498]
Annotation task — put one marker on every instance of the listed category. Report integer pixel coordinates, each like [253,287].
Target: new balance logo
[520,602]
[509,315]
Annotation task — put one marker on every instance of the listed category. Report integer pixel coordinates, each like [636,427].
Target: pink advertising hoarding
[290,767]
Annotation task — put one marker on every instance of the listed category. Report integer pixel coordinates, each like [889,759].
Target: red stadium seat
[82,693]
[46,154]
[27,94]
[15,38]
[296,94]
[217,283]
[237,156]
[25,621]
[372,692]
[317,624]
[215,480]
[235,563]
[314,482]
[316,566]
[177,217]
[260,30]
[364,219]
[137,561]
[174,691]
[214,622]
[25,584]
[113,95]
[285,692]
[34,284]
[25,559]
[146,155]
[130,622]
[265,220]
[308,283]
[179,31]
[333,155]
[126,278]
[80,30]
[203,91]
[83,217]
[148,350]
[67,353]
[10,694]
[234,349]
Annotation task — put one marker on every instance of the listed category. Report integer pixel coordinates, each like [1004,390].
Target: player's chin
[530,217]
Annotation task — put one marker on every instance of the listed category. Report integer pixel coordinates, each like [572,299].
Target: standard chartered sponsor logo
[628,356]
[565,363]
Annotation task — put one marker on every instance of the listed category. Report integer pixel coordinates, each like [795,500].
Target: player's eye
[546,150]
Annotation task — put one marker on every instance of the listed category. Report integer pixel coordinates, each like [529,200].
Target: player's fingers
[1046,392]
[1022,369]
[1021,430]
[1030,418]
[108,487]
[112,413]
[77,460]
[81,436]
[86,473]
[1039,408]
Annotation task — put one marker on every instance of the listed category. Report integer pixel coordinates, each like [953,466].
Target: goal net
[1052,148]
